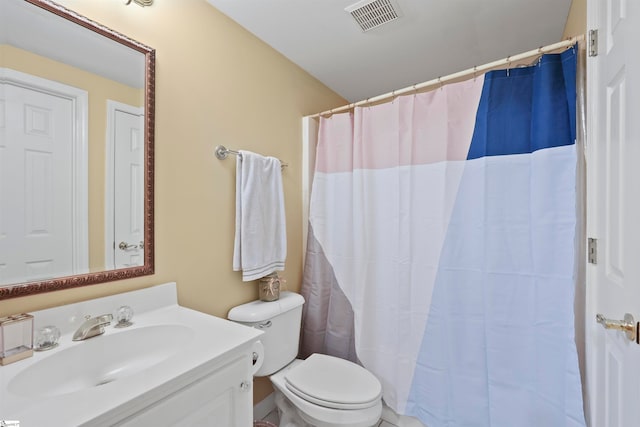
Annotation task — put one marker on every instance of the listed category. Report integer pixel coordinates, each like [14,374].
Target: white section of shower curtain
[387,275]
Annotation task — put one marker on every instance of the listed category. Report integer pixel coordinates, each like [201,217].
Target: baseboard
[264,407]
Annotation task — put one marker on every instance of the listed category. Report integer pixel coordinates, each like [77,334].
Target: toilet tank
[280,322]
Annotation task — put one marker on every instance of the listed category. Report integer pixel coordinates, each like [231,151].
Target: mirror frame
[36,287]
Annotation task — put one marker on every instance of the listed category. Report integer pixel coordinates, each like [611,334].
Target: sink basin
[100,360]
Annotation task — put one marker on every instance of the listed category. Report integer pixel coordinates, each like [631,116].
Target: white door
[125,207]
[613,211]
[36,198]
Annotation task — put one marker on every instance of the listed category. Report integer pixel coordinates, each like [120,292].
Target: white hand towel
[261,241]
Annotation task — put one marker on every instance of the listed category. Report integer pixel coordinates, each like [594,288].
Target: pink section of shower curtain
[361,143]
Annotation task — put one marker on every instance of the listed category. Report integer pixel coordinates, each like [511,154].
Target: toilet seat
[317,415]
[334,383]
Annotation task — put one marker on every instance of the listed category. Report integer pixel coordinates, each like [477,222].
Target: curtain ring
[475,67]
[508,64]
[440,82]
[539,57]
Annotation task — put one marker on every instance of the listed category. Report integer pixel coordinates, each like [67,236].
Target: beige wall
[577,19]
[100,90]
[215,84]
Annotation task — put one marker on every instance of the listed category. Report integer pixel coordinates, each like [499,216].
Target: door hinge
[593,42]
[592,250]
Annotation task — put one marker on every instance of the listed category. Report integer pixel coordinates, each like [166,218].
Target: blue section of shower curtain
[527,109]
[498,349]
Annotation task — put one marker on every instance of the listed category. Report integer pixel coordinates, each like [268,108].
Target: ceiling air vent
[370,14]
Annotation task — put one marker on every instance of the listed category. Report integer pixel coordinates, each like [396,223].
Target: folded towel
[261,241]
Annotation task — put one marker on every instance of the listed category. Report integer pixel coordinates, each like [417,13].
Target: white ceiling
[433,38]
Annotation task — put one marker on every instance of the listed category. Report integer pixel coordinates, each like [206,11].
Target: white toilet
[321,391]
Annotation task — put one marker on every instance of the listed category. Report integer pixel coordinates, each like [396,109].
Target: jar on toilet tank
[269,287]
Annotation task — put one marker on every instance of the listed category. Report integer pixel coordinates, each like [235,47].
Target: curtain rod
[459,75]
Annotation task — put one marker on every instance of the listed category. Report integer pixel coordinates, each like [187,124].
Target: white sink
[101,360]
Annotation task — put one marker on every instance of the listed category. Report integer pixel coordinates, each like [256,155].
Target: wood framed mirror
[77,106]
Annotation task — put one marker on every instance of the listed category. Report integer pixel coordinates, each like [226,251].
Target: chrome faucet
[92,326]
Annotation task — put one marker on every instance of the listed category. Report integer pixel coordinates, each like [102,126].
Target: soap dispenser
[16,338]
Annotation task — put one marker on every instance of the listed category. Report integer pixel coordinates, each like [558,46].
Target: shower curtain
[441,248]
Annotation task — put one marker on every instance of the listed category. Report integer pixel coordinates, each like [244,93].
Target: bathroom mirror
[76,151]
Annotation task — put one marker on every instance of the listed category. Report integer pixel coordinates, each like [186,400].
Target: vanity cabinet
[221,398]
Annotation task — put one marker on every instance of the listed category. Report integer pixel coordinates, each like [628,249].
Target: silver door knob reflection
[125,246]
[628,325]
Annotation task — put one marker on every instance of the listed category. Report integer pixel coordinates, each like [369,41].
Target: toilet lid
[334,383]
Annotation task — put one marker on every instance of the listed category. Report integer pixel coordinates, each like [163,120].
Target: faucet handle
[124,314]
[46,338]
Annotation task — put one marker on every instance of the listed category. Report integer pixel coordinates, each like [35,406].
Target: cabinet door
[222,398]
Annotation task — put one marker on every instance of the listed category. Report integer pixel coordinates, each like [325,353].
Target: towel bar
[223,152]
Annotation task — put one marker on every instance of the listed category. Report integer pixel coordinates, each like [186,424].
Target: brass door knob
[628,325]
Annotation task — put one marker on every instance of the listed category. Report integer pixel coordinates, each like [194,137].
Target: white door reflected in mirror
[124,205]
[43,219]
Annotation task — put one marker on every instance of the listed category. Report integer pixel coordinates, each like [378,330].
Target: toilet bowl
[321,391]
[327,405]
